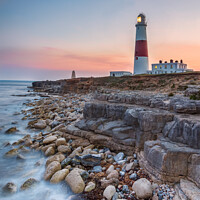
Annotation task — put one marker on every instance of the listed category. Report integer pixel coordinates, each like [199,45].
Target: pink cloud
[58,59]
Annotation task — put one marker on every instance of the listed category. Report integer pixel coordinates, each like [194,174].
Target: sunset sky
[47,39]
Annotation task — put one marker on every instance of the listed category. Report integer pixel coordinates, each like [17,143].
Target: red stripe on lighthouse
[141,49]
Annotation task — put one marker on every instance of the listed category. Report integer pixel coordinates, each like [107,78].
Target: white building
[120,73]
[167,68]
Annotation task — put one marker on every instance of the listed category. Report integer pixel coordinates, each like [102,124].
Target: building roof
[120,72]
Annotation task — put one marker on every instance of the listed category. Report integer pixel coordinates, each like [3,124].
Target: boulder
[113,174]
[58,157]
[142,188]
[64,149]
[91,160]
[49,139]
[110,169]
[12,152]
[10,188]
[96,169]
[50,151]
[61,141]
[75,181]
[59,176]
[51,169]
[28,142]
[44,148]
[76,151]
[91,146]
[31,182]
[66,162]
[41,124]
[11,130]
[113,181]
[130,166]
[86,151]
[84,174]
[109,192]
[119,157]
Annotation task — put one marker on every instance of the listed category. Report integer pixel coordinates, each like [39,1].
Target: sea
[13,96]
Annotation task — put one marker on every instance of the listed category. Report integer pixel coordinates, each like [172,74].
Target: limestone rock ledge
[98,139]
[169,161]
[165,132]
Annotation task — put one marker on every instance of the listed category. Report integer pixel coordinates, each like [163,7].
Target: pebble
[121,162]
[122,173]
[125,189]
[133,176]
[110,169]
[164,192]
[115,196]
[109,192]
[84,175]
[96,169]
[10,188]
[109,156]
[90,186]
[31,182]
[66,162]
[119,157]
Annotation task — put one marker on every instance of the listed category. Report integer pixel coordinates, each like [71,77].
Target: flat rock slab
[168,161]
[190,189]
[49,139]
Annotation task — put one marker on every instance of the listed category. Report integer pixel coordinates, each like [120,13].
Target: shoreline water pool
[13,169]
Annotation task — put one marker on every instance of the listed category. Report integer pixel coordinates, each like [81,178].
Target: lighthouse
[141,62]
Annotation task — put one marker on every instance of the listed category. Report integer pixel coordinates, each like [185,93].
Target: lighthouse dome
[141,19]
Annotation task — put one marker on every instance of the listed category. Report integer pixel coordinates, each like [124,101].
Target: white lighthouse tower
[141,61]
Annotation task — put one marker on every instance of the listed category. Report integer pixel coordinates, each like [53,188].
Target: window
[165,66]
[171,66]
[156,67]
[139,19]
[160,66]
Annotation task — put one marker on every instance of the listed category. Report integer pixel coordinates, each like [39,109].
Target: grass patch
[195,96]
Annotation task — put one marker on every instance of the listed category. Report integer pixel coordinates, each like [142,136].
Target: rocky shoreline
[108,146]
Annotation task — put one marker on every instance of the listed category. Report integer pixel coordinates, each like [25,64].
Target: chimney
[171,61]
[181,61]
[160,61]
